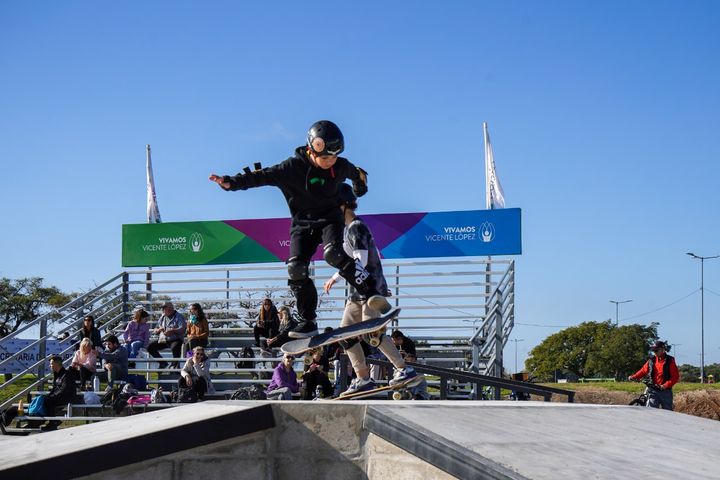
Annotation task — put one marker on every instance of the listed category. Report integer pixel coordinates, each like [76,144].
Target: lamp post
[618,302]
[702,311]
[516,340]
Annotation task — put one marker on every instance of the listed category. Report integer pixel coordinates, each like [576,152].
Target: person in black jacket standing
[309,180]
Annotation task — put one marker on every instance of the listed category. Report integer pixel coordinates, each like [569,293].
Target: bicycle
[644,398]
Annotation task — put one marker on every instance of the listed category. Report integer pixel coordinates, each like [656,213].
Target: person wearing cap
[171,333]
[663,371]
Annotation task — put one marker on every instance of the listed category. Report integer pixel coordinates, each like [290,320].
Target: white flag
[494,196]
[153,213]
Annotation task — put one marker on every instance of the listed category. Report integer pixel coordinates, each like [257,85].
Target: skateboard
[401,391]
[370,330]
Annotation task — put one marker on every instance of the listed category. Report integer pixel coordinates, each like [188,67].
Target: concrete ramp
[374,439]
[537,440]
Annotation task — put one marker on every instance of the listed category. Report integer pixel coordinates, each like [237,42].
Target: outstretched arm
[250,178]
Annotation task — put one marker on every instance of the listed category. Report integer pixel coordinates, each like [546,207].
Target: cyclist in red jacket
[663,371]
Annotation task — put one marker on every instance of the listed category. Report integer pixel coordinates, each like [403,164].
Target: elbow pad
[360,185]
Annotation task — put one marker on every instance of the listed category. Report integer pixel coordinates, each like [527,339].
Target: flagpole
[488,206]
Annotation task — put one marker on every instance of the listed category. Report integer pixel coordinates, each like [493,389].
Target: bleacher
[459,313]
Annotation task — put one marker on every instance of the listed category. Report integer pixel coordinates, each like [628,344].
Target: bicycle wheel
[637,403]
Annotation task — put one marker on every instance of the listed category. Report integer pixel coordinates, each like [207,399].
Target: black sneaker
[304,329]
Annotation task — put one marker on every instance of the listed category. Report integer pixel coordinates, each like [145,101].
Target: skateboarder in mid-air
[360,244]
[309,180]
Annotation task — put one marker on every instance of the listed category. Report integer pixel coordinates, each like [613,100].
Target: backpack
[253,392]
[116,398]
[157,396]
[184,395]
[246,353]
[37,407]
[139,400]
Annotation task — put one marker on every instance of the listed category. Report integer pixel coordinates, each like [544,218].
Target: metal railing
[462,306]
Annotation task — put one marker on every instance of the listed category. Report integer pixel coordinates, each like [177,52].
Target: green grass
[14,388]
[632,387]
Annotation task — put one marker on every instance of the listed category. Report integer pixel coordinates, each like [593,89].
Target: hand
[188,381]
[312,368]
[108,366]
[631,379]
[328,285]
[661,387]
[219,181]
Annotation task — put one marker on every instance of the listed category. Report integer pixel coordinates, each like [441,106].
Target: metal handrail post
[125,295]
[42,352]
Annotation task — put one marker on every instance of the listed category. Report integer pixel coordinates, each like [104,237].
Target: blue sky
[603,116]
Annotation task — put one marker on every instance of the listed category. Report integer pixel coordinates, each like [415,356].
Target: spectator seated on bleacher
[196,374]
[137,332]
[63,391]
[316,375]
[284,380]
[268,323]
[115,362]
[89,331]
[171,332]
[286,324]
[198,329]
[83,365]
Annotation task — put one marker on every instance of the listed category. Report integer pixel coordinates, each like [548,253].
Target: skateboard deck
[302,345]
[400,390]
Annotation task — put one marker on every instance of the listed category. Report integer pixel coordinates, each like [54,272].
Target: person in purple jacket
[284,380]
[137,333]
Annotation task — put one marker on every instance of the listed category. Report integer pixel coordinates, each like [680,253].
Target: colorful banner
[397,235]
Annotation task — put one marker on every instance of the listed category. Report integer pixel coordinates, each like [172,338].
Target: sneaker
[402,375]
[379,303]
[304,329]
[360,385]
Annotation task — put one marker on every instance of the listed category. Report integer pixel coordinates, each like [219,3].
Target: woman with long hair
[89,331]
[268,322]
[84,362]
[198,329]
[137,332]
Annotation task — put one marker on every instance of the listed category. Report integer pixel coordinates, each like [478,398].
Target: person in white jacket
[196,374]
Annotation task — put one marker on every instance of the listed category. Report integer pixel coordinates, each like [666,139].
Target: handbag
[37,407]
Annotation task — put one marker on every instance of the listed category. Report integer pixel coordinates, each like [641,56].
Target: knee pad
[298,269]
[335,256]
[348,343]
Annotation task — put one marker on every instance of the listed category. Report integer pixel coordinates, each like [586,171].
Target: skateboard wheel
[407,395]
[374,341]
[397,396]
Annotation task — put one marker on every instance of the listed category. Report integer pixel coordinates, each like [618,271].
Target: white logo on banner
[196,242]
[487,232]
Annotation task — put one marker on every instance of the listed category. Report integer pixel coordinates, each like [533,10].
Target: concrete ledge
[94,448]
[441,452]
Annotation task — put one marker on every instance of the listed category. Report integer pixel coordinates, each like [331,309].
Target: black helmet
[325,138]
[659,344]
[347,196]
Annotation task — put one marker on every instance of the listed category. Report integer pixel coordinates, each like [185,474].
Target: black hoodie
[311,192]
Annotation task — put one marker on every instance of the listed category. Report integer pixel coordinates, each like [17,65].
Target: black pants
[303,245]
[199,385]
[312,380]
[155,347]
[266,331]
[197,342]
[84,375]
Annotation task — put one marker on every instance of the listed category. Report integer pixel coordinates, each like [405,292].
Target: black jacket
[63,389]
[310,192]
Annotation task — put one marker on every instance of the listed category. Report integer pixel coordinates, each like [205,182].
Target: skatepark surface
[375,439]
